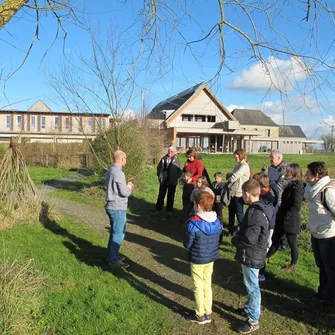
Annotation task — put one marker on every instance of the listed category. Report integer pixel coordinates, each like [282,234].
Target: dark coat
[202,240]
[251,240]
[288,215]
[173,170]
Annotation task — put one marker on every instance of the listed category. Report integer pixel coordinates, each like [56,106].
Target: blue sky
[243,83]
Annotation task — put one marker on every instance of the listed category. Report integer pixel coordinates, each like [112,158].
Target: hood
[312,190]
[267,209]
[207,222]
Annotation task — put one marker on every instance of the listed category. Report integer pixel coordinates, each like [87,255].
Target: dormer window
[187,118]
[211,118]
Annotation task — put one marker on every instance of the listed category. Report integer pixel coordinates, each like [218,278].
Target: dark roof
[253,117]
[291,131]
[174,102]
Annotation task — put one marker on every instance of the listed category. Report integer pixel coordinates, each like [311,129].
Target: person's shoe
[119,265]
[290,268]
[208,318]
[121,258]
[261,277]
[249,327]
[200,320]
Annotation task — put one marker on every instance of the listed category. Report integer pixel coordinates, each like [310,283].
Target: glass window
[8,121]
[33,122]
[67,123]
[103,123]
[56,121]
[187,117]
[200,118]
[211,118]
[90,123]
[43,122]
[19,121]
[267,132]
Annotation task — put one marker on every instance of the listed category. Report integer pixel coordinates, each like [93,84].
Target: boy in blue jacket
[251,243]
[202,239]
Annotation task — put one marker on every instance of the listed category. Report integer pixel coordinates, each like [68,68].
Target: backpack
[331,184]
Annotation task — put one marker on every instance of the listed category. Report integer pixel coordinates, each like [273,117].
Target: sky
[176,54]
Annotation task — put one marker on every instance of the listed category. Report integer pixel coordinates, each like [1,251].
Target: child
[202,240]
[217,187]
[269,197]
[187,191]
[251,242]
[201,186]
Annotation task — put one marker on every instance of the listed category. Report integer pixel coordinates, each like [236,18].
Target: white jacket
[321,222]
[239,176]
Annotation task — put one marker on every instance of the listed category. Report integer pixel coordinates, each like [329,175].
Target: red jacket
[195,167]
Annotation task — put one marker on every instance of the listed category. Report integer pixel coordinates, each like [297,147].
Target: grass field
[79,295]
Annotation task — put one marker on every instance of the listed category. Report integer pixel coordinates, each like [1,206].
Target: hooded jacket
[251,240]
[202,237]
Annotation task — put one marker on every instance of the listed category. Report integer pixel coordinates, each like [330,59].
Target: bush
[19,296]
[136,141]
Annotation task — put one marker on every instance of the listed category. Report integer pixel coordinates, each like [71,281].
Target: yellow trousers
[202,281]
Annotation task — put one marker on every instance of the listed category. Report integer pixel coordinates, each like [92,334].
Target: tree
[328,141]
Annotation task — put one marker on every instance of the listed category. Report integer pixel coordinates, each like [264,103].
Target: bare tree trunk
[8,9]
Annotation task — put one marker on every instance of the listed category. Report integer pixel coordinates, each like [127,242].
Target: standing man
[168,172]
[117,194]
[276,160]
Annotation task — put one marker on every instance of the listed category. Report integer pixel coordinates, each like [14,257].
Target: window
[211,118]
[67,123]
[267,132]
[33,122]
[19,121]
[187,117]
[43,122]
[90,123]
[200,118]
[103,123]
[8,121]
[56,122]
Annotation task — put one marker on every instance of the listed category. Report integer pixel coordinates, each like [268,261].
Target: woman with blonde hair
[237,178]
[288,218]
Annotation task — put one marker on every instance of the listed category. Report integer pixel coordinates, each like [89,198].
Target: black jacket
[251,240]
[173,170]
[288,215]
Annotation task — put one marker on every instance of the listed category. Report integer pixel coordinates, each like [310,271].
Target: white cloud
[128,114]
[272,74]
[232,107]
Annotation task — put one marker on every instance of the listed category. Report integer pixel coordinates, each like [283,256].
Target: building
[40,124]
[196,118]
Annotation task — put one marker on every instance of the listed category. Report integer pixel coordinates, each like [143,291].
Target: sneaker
[200,320]
[121,258]
[208,318]
[290,268]
[119,265]
[249,327]
[261,277]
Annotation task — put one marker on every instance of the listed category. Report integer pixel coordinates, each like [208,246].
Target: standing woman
[321,223]
[237,177]
[193,164]
[288,218]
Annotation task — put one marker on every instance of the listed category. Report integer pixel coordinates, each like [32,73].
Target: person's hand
[130,185]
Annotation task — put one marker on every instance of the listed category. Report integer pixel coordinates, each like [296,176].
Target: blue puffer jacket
[202,237]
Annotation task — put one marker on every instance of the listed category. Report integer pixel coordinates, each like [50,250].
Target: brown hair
[252,186]
[205,200]
[295,170]
[188,174]
[262,178]
[191,153]
[219,174]
[241,153]
[203,180]
[318,169]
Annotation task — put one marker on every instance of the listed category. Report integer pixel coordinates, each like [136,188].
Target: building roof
[253,117]
[291,131]
[39,106]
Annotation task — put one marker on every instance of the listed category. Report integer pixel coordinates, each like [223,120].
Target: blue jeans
[235,208]
[253,304]
[117,221]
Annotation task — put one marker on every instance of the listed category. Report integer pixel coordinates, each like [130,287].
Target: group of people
[274,198]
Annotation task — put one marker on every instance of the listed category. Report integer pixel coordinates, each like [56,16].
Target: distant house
[288,139]
[40,123]
[196,118]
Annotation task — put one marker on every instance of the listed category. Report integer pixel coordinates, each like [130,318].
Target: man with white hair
[168,172]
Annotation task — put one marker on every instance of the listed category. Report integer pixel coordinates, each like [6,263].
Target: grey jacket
[117,192]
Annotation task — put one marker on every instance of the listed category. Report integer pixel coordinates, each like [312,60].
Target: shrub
[139,143]
[19,296]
